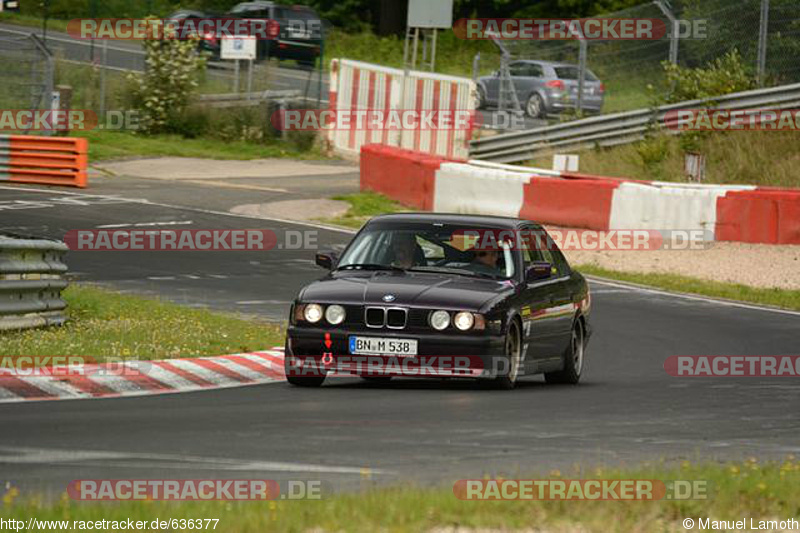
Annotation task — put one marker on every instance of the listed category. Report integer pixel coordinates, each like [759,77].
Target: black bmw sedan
[433,295]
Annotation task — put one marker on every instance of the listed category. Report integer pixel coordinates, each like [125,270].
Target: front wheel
[513,351]
[573,359]
[291,372]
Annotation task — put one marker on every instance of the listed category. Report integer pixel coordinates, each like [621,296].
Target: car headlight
[313,313]
[440,320]
[334,314]
[464,320]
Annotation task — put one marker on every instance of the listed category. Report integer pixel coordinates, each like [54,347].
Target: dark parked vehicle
[300,37]
[544,88]
[414,285]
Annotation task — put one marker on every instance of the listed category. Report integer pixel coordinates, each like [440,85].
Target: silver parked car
[544,88]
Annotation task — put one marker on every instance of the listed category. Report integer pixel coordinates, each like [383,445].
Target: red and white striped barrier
[722,212]
[355,85]
[140,378]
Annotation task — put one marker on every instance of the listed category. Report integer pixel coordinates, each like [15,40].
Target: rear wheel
[513,351]
[573,359]
[481,98]
[534,107]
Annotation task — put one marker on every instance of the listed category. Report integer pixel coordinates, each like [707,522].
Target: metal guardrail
[246,99]
[31,281]
[618,128]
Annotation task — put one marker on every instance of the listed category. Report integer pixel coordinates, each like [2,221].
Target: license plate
[383,346]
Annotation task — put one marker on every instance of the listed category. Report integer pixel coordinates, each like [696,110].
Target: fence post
[581,73]
[673,37]
[762,42]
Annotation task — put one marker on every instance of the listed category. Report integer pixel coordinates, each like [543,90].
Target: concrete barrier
[721,212]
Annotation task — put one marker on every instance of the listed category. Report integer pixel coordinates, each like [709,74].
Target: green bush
[724,75]
[165,88]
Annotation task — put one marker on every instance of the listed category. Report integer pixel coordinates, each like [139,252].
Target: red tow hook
[327,359]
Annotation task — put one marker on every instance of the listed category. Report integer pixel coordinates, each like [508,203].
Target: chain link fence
[27,67]
[765,33]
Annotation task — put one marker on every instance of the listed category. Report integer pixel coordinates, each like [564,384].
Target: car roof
[546,63]
[451,218]
[256,3]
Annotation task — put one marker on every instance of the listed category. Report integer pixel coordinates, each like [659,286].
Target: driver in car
[404,249]
[486,261]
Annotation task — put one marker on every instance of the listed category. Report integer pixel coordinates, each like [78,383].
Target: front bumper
[438,355]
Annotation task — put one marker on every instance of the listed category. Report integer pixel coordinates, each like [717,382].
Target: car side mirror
[496,73]
[538,270]
[327,259]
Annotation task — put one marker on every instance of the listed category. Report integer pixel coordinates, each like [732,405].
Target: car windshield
[458,251]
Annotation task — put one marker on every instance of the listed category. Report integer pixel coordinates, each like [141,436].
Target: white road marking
[204,211]
[28,456]
[161,278]
[148,224]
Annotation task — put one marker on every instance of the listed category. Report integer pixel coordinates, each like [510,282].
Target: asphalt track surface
[350,433]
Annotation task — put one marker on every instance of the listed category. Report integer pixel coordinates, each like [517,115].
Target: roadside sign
[238,48]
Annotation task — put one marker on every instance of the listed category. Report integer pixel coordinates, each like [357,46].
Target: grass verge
[733,491]
[105,145]
[363,206]
[787,299]
[106,324]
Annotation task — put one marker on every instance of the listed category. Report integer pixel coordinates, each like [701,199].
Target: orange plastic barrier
[44,160]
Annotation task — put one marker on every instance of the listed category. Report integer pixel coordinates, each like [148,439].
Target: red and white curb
[141,378]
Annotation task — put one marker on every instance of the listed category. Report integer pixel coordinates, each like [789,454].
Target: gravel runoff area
[755,265]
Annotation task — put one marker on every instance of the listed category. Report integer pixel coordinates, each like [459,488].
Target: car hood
[413,289]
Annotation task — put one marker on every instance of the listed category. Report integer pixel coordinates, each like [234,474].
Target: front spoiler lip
[336,368]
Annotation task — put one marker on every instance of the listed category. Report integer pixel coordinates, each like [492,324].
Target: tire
[301,381]
[573,359]
[534,107]
[513,349]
